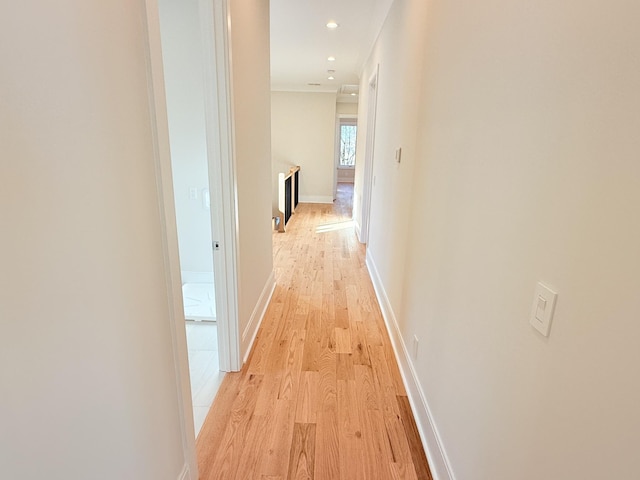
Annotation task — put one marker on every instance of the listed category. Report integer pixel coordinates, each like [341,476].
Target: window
[348,131]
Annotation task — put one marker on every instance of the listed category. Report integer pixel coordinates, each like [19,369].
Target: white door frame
[223,205]
[214,16]
[164,178]
[367,183]
[222,176]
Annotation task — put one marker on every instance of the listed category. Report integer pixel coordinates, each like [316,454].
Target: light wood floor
[321,396]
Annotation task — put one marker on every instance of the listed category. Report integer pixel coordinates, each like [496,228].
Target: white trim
[186,474]
[250,332]
[169,234]
[367,183]
[222,176]
[315,199]
[431,440]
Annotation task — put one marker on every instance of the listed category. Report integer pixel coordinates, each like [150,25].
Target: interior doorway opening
[368,181]
[345,156]
[182,35]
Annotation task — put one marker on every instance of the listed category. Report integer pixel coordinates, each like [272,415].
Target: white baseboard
[431,440]
[316,199]
[249,334]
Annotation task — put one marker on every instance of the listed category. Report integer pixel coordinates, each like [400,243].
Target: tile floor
[206,377]
[199,301]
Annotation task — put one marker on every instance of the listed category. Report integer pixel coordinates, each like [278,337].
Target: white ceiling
[301,42]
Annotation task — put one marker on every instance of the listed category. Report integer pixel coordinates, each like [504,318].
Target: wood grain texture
[321,396]
[411,430]
[302,454]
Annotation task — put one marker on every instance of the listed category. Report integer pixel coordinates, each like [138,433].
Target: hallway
[321,395]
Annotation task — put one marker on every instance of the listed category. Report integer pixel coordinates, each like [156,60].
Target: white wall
[251,87]
[89,387]
[350,108]
[521,165]
[303,133]
[399,50]
[182,52]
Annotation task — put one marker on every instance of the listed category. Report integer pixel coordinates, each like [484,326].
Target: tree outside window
[348,145]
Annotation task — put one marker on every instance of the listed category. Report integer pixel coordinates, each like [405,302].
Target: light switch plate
[544,303]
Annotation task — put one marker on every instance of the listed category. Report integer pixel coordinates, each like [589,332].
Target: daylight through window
[347,145]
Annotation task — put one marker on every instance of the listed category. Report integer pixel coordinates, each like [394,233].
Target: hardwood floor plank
[328,323]
[225,463]
[211,435]
[353,303]
[366,391]
[381,441]
[279,353]
[350,432]
[327,461]
[403,471]
[375,463]
[268,393]
[344,367]
[394,370]
[397,439]
[256,363]
[413,438]
[254,438]
[343,340]
[372,329]
[359,345]
[291,375]
[274,452]
[308,398]
[383,375]
[342,317]
[303,450]
[328,381]
[312,342]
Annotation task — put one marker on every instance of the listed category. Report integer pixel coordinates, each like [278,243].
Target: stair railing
[287,196]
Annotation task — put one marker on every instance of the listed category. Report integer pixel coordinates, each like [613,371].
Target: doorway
[369,180]
[193,37]
[345,157]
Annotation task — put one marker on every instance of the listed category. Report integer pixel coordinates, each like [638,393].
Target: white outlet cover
[544,304]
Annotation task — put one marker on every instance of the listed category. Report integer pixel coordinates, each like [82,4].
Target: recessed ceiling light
[331,78]
[353,94]
[332,25]
[332,59]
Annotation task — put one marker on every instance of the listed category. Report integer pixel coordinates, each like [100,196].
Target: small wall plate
[544,303]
